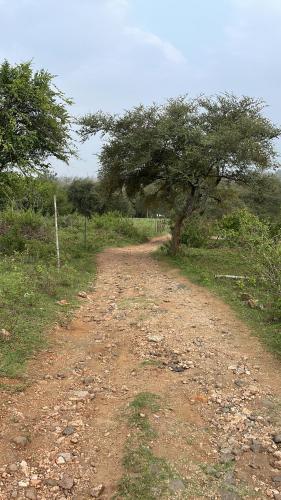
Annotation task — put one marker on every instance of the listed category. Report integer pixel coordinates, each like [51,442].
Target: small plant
[267,264]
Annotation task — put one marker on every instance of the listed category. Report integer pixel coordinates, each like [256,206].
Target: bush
[242,228]
[262,249]
[267,264]
[24,231]
[197,233]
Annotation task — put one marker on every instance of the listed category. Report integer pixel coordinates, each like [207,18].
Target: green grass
[202,264]
[139,410]
[215,479]
[146,476]
[152,227]
[29,295]
[31,286]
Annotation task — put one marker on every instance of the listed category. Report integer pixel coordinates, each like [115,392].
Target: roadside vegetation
[33,293]
[239,257]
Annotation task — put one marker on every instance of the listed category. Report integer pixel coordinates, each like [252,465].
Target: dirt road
[145,332]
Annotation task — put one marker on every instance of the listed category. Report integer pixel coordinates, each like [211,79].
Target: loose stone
[21,441]
[97,491]
[31,494]
[66,483]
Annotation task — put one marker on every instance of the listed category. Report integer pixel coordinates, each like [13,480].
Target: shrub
[267,264]
[197,232]
[261,248]
[24,231]
[242,228]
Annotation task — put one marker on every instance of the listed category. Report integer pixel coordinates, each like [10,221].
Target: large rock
[155,338]
[68,430]
[79,396]
[277,479]
[5,335]
[277,438]
[176,485]
[20,441]
[31,494]
[66,483]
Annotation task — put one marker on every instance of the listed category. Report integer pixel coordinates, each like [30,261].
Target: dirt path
[144,328]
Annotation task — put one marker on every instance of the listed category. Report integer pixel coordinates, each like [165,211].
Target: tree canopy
[83,195]
[34,121]
[183,149]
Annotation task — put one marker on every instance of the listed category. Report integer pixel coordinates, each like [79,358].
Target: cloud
[170,52]
[103,59]
[111,54]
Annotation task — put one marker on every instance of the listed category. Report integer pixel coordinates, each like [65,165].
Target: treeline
[86,196]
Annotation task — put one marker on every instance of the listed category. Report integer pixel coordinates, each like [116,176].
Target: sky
[113,54]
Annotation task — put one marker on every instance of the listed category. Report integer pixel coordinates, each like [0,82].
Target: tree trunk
[190,206]
[176,235]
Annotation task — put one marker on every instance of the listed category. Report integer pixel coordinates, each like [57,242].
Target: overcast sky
[114,54]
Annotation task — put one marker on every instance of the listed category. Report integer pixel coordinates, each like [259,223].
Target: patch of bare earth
[144,328]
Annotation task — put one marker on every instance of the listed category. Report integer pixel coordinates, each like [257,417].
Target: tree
[83,195]
[263,196]
[34,122]
[34,193]
[183,149]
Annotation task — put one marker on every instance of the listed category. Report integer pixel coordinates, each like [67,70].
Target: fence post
[57,233]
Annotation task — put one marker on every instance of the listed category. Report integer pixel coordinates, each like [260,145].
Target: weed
[13,389]
[146,400]
[216,470]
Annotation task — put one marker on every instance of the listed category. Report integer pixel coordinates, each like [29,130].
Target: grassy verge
[31,287]
[146,477]
[152,227]
[202,264]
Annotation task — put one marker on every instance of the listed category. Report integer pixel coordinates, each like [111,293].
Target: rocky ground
[145,329]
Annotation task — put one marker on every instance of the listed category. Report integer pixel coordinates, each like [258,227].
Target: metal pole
[57,233]
[85,231]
